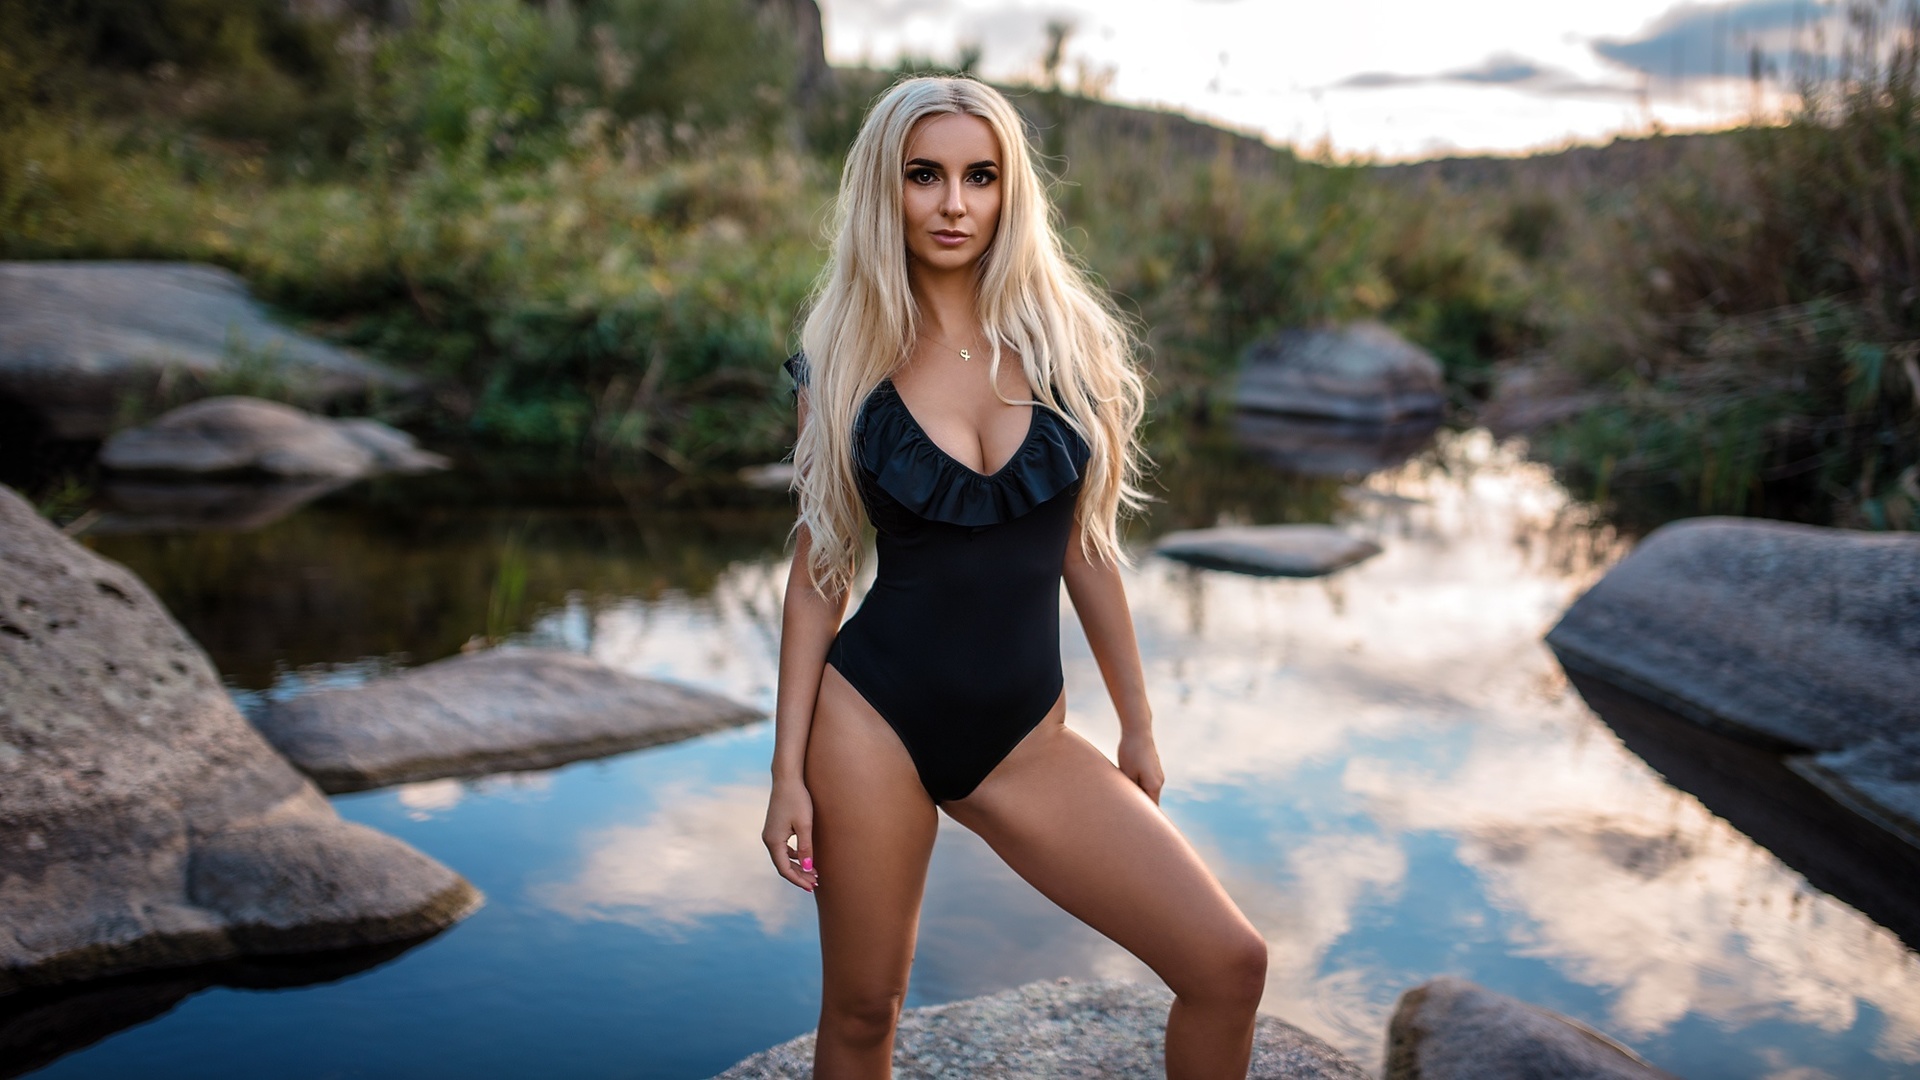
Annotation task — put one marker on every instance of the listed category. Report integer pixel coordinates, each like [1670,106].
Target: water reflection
[1385,767]
[698,857]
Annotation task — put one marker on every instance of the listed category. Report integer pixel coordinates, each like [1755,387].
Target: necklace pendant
[965,355]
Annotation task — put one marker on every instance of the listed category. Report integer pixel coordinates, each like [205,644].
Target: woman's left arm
[1100,600]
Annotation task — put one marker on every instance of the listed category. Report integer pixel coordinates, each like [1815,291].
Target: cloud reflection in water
[1326,743]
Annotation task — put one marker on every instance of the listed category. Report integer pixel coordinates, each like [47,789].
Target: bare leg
[1089,839]
[873,830]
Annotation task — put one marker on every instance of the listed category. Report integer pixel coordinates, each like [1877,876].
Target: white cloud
[1490,75]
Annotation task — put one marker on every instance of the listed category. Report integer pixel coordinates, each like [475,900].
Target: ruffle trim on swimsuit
[920,476]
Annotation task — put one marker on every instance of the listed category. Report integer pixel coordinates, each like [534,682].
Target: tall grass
[1759,327]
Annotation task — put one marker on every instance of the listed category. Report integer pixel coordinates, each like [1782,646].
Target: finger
[784,863]
[803,853]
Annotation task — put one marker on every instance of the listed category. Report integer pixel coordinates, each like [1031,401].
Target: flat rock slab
[1062,1030]
[77,337]
[1793,637]
[1451,1029]
[143,822]
[243,437]
[1268,550]
[507,709]
[1362,371]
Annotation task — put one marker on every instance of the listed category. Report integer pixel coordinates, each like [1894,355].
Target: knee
[1234,973]
[861,1018]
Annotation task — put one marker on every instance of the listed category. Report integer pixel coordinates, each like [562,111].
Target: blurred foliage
[591,224]
[1754,319]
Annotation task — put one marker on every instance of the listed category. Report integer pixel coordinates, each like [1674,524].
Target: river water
[1387,768]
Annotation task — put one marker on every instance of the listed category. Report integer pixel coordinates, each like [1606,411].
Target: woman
[964,387]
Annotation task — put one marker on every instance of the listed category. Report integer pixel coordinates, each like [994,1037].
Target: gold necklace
[964,354]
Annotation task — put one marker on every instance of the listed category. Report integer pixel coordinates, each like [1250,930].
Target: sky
[1383,79]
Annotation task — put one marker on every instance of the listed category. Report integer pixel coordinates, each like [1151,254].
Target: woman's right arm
[808,622]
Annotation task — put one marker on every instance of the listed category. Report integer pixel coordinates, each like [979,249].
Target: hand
[1140,762]
[790,814]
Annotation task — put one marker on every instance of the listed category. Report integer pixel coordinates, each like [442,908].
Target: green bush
[1769,355]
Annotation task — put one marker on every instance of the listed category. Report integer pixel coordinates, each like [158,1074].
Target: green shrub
[1769,357]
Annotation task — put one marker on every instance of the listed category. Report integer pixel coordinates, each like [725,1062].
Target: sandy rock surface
[1268,550]
[486,712]
[1059,1030]
[143,822]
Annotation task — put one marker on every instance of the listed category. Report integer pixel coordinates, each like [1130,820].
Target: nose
[951,204]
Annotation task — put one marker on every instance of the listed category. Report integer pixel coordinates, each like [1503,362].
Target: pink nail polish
[807,864]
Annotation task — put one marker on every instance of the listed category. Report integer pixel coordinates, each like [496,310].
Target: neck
[945,300]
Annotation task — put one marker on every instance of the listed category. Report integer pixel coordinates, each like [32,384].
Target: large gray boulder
[1061,1030]
[143,822]
[1451,1029]
[76,338]
[241,437]
[1801,639]
[1268,550]
[486,712]
[1362,372]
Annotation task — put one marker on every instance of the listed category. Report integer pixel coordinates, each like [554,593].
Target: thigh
[873,832]
[1070,823]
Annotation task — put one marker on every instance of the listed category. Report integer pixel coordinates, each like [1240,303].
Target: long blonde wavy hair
[1032,297]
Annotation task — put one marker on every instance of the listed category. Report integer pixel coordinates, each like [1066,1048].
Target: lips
[948,236]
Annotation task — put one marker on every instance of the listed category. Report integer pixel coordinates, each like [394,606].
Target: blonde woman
[962,386]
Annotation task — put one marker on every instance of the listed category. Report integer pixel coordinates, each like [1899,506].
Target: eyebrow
[988,164]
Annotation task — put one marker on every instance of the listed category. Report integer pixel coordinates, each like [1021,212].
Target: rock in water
[77,337]
[486,712]
[1362,372]
[248,437]
[1451,1029]
[1268,550]
[143,822]
[1797,638]
[1109,1030]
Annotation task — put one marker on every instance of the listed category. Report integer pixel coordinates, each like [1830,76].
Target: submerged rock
[247,437]
[1268,550]
[155,506]
[1800,639]
[1362,372]
[143,823]
[77,337]
[1451,1029]
[1315,446]
[1109,1030]
[486,712]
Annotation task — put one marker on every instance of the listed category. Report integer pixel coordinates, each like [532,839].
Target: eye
[922,175]
[983,177]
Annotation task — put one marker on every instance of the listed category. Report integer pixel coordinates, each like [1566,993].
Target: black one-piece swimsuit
[957,645]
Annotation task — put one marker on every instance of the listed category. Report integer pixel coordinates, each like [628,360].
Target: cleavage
[978,439]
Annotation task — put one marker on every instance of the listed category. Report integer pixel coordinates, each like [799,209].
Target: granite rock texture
[77,337]
[243,437]
[1362,371]
[1061,1030]
[143,822]
[1801,639]
[1451,1029]
[1268,550]
[486,712]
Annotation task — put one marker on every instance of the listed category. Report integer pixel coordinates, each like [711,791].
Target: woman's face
[951,197]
